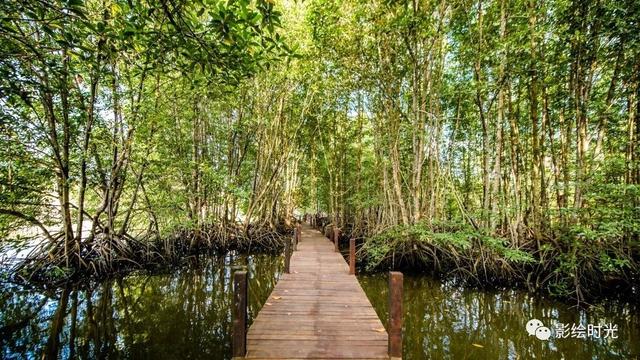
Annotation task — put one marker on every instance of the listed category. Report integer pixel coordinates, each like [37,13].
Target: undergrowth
[581,264]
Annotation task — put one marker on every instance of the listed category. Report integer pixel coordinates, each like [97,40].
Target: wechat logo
[537,328]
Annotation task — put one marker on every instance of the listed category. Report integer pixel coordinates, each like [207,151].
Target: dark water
[187,315]
[442,321]
[182,315]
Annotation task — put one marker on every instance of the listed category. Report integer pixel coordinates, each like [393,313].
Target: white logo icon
[537,328]
[543,333]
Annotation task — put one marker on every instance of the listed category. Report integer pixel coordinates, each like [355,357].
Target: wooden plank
[317,311]
[240,313]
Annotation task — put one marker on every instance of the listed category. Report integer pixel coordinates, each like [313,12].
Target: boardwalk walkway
[318,311]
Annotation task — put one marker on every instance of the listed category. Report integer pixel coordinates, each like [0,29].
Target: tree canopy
[509,125]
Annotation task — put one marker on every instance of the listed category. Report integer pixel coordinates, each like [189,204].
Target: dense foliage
[501,127]
[518,119]
[117,128]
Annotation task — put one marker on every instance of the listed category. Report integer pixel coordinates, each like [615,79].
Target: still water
[182,315]
[444,321]
[186,314]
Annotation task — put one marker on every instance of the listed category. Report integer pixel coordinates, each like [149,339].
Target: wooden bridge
[317,310]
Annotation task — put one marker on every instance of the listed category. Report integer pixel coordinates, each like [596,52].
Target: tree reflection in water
[182,315]
[444,321]
[187,315]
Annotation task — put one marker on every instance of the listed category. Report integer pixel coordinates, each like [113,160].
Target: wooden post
[352,256]
[299,228]
[395,314]
[239,334]
[287,256]
[336,237]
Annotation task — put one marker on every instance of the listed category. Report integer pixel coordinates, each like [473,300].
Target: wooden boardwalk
[318,311]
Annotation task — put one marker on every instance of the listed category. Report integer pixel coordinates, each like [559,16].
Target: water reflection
[186,315]
[182,315]
[443,321]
